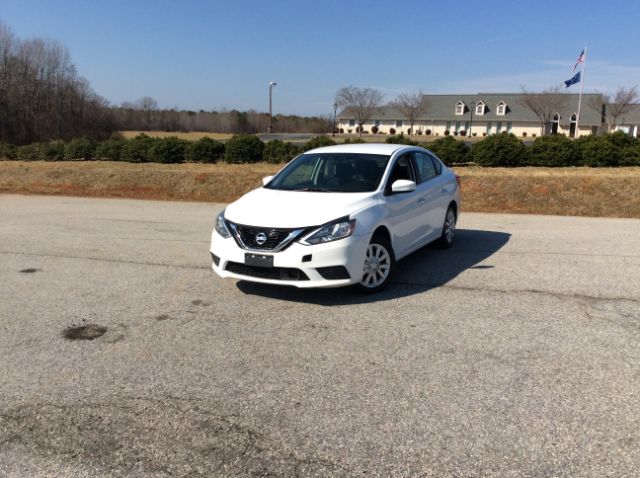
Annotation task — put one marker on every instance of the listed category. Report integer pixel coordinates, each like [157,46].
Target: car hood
[293,209]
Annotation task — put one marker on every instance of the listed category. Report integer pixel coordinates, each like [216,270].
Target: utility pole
[335,111]
[271,85]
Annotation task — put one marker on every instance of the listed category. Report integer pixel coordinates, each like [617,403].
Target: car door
[445,185]
[428,191]
[403,218]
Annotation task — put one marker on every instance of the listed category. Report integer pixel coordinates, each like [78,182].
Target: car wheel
[448,229]
[379,266]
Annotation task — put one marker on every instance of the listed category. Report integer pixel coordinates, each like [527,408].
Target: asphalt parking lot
[514,354]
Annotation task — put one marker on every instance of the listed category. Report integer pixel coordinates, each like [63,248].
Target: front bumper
[320,265]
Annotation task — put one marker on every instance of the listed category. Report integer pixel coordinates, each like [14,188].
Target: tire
[379,266]
[448,229]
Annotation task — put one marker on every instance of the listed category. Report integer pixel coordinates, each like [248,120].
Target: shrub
[110,150]
[400,139]
[419,132]
[169,150]
[447,132]
[136,150]
[524,134]
[27,152]
[318,142]
[51,151]
[80,149]
[450,151]
[598,151]
[7,151]
[205,150]
[428,132]
[374,129]
[392,131]
[499,150]
[277,151]
[553,150]
[354,141]
[341,130]
[463,133]
[620,139]
[243,148]
[630,155]
[349,130]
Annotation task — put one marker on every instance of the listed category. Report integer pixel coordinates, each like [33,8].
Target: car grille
[277,239]
[275,273]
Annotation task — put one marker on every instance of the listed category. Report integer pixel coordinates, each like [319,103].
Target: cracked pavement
[514,354]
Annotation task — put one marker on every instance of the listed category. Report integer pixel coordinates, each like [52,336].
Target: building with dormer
[481,115]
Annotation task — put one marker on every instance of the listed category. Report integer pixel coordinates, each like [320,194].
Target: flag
[578,61]
[575,79]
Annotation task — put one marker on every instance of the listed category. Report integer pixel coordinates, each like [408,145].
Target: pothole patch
[29,270]
[84,332]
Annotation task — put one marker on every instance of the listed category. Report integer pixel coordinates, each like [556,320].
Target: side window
[401,170]
[425,166]
[437,164]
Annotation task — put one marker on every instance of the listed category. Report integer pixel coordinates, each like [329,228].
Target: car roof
[362,148]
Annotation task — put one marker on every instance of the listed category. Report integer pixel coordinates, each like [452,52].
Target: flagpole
[584,67]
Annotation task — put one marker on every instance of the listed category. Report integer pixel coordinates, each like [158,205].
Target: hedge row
[609,150]
[616,149]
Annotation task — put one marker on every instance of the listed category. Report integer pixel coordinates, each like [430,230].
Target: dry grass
[564,191]
[191,136]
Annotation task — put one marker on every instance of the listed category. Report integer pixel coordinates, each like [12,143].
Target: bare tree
[618,104]
[361,102]
[411,106]
[544,105]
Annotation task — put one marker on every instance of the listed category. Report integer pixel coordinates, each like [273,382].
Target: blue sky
[198,54]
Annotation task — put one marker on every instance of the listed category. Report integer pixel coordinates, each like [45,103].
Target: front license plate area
[258,260]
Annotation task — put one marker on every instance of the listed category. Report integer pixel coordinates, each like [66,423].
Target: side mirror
[403,186]
[266,180]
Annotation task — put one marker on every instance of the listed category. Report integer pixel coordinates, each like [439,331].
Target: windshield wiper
[315,190]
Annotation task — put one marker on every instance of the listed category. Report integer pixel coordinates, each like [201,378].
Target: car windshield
[332,172]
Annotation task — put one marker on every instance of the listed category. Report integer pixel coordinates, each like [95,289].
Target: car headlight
[338,229]
[221,226]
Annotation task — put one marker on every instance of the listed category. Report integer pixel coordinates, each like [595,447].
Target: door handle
[422,201]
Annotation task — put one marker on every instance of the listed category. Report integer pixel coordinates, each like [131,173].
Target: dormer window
[480,108]
[460,107]
[501,110]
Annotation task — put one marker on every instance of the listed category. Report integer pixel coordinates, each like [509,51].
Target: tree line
[43,98]
[145,115]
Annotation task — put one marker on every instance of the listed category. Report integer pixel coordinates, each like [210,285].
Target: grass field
[338,138]
[563,191]
[191,136]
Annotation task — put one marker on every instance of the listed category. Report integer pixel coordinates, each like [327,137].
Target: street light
[335,111]
[271,85]
[473,107]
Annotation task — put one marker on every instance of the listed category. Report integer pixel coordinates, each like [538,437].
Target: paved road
[515,354]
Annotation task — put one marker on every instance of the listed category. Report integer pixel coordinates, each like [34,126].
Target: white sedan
[338,216]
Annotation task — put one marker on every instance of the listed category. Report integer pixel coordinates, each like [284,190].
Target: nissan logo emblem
[261,238]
